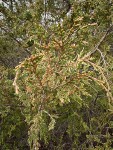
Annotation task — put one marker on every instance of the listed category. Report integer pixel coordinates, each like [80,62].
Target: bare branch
[15,83]
[100,42]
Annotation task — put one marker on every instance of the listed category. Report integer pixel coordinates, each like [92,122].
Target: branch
[15,83]
[102,56]
[14,38]
[100,42]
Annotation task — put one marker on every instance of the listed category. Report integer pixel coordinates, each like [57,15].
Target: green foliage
[65,86]
[13,129]
[65,82]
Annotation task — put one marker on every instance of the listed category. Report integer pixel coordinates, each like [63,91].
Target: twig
[102,56]
[15,83]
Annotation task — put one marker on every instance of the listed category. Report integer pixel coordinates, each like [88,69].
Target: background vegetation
[56,75]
